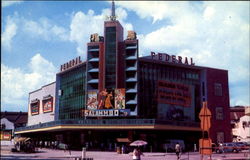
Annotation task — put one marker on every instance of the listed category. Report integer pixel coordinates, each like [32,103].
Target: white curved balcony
[94,70]
[92,81]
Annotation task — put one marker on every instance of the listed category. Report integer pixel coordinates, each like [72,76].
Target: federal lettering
[172,58]
[160,56]
[186,60]
[179,59]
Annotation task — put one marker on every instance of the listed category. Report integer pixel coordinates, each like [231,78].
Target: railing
[178,123]
[106,122]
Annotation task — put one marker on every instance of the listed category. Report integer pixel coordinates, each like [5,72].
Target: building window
[217,89]
[220,137]
[219,113]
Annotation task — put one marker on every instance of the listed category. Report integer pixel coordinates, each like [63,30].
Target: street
[45,153]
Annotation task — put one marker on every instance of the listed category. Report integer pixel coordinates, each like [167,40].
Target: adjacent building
[42,105]
[240,123]
[10,121]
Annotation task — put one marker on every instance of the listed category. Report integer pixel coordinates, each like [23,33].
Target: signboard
[174,93]
[108,102]
[172,58]
[34,108]
[48,105]
[205,117]
[5,135]
[107,112]
[71,63]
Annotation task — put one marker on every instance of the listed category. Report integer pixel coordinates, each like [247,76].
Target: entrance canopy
[124,140]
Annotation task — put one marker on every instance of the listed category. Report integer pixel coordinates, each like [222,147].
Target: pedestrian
[177,150]
[137,154]
[123,149]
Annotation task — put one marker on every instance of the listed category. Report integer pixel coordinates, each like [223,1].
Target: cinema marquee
[172,58]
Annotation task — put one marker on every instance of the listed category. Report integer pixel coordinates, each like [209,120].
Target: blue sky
[38,36]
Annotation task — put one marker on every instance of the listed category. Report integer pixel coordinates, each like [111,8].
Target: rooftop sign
[172,58]
[71,63]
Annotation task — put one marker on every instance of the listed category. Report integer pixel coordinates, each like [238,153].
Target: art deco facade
[116,94]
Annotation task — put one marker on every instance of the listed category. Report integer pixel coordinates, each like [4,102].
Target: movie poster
[120,98]
[34,108]
[92,100]
[107,103]
[48,105]
[106,99]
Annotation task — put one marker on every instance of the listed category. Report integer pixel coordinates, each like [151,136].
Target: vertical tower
[95,53]
[112,61]
[131,69]
[113,69]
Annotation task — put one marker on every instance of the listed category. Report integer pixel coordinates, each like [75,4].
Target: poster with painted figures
[48,105]
[92,100]
[120,98]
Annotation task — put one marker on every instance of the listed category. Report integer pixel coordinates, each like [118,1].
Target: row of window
[154,72]
[72,98]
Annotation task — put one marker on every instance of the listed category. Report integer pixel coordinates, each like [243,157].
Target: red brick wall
[218,76]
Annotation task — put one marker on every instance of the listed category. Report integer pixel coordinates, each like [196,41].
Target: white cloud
[6,3]
[208,13]
[83,25]
[9,33]
[16,83]
[215,35]
[157,10]
[45,29]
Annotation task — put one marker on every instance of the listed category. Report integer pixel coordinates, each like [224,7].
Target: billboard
[48,105]
[92,100]
[34,108]
[5,135]
[175,101]
[108,102]
[120,98]
[174,93]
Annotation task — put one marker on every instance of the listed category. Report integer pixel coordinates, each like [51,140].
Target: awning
[21,139]
[125,140]
[35,100]
[47,97]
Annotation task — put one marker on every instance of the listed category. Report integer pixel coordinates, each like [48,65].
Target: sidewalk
[62,155]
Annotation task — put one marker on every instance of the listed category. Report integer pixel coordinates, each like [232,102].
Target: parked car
[228,147]
[242,145]
[24,144]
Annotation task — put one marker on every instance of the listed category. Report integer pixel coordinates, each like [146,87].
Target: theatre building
[115,97]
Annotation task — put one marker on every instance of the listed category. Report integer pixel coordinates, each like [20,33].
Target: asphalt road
[50,154]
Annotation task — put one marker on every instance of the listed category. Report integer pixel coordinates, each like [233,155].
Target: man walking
[177,150]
